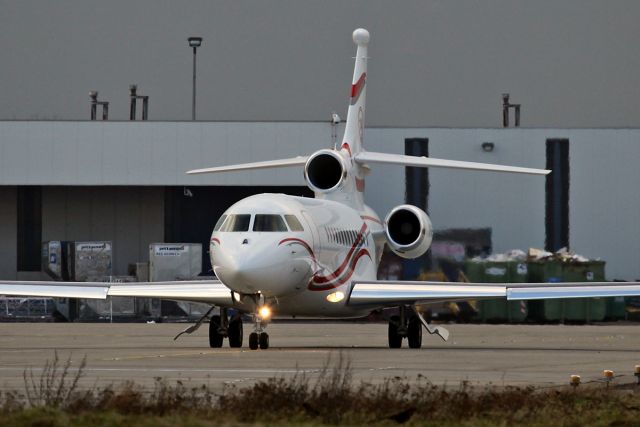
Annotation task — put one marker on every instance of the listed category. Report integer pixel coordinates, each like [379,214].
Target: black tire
[395,339]
[235,333]
[253,341]
[215,337]
[414,333]
[264,340]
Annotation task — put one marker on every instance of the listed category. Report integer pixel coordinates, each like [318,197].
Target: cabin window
[219,223]
[294,223]
[236,223]
[269,223]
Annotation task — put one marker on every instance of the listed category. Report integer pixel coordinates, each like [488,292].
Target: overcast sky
[572,63]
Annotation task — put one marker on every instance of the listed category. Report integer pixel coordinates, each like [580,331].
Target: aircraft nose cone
[244,273]
[271,272]
[232,272]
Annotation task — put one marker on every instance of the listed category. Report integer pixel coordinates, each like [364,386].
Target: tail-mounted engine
[325,171]
[408,230]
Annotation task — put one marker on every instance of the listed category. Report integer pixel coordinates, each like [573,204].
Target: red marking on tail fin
[356,89]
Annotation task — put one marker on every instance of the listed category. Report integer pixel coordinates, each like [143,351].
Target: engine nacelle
[408,230]
[325,171]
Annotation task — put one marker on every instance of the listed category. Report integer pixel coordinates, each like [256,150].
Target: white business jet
[319,257]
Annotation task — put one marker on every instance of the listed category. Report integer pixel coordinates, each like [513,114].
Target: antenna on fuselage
[335,121]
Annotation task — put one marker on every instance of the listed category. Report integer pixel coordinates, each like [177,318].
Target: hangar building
[125,182]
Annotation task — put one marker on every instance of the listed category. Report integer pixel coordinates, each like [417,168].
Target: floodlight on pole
[194,42]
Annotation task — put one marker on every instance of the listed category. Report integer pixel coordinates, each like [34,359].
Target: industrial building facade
[124,182]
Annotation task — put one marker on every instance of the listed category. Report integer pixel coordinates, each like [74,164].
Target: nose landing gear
[259,338]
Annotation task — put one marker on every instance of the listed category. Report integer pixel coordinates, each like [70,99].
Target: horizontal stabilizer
[426,162]
[379,293]
[282,163]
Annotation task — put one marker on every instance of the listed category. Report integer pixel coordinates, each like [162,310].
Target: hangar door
[192,212]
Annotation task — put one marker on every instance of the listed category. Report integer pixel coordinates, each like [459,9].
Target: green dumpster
[546,271]
[517,311]
[474,271]
[584,309]
[494,310]
[499,310]
[616,308]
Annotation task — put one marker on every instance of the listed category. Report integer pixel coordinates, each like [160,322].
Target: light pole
[195,43]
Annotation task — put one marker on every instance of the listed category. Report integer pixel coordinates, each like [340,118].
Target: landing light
[265,312]
[335,297]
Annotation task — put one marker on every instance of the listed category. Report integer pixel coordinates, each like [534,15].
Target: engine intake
[325,171]
[408,230]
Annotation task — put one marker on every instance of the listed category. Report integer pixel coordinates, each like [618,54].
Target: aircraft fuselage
[299,252]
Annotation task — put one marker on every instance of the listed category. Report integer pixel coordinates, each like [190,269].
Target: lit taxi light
[265,312]
[335,297]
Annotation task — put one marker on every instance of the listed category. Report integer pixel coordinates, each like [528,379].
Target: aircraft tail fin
[354,129]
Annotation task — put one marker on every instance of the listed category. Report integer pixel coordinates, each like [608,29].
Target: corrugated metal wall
[604,199]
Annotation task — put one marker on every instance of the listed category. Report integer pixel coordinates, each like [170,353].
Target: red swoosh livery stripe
[372,219]
[356,89]
[338,272]
[304,245]
[352,265]
[346,269]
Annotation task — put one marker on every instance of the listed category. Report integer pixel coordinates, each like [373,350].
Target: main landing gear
[408,324]
[220,326]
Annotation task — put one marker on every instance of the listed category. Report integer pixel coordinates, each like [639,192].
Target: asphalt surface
[541,355]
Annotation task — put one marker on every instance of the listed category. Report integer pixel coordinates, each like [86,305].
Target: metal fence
[17,308]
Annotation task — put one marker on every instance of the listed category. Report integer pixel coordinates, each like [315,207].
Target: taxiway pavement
[538,355]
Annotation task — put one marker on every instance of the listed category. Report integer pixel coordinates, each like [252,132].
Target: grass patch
[330,398]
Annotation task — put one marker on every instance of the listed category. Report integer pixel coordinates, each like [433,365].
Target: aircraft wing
[294,161]
[205,291]
[393,293]
[426,162]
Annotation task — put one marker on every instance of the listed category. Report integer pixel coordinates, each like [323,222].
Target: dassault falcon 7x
[319,257]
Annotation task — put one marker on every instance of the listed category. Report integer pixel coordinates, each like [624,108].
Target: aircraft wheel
[264,341]
[414,333]
[235,333]
[395,339]
[253,341]
[215,337]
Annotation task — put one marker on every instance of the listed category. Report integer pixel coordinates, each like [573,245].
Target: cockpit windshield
[261,223]
[236,223]
[294,223]
[219,223]
[269,223]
